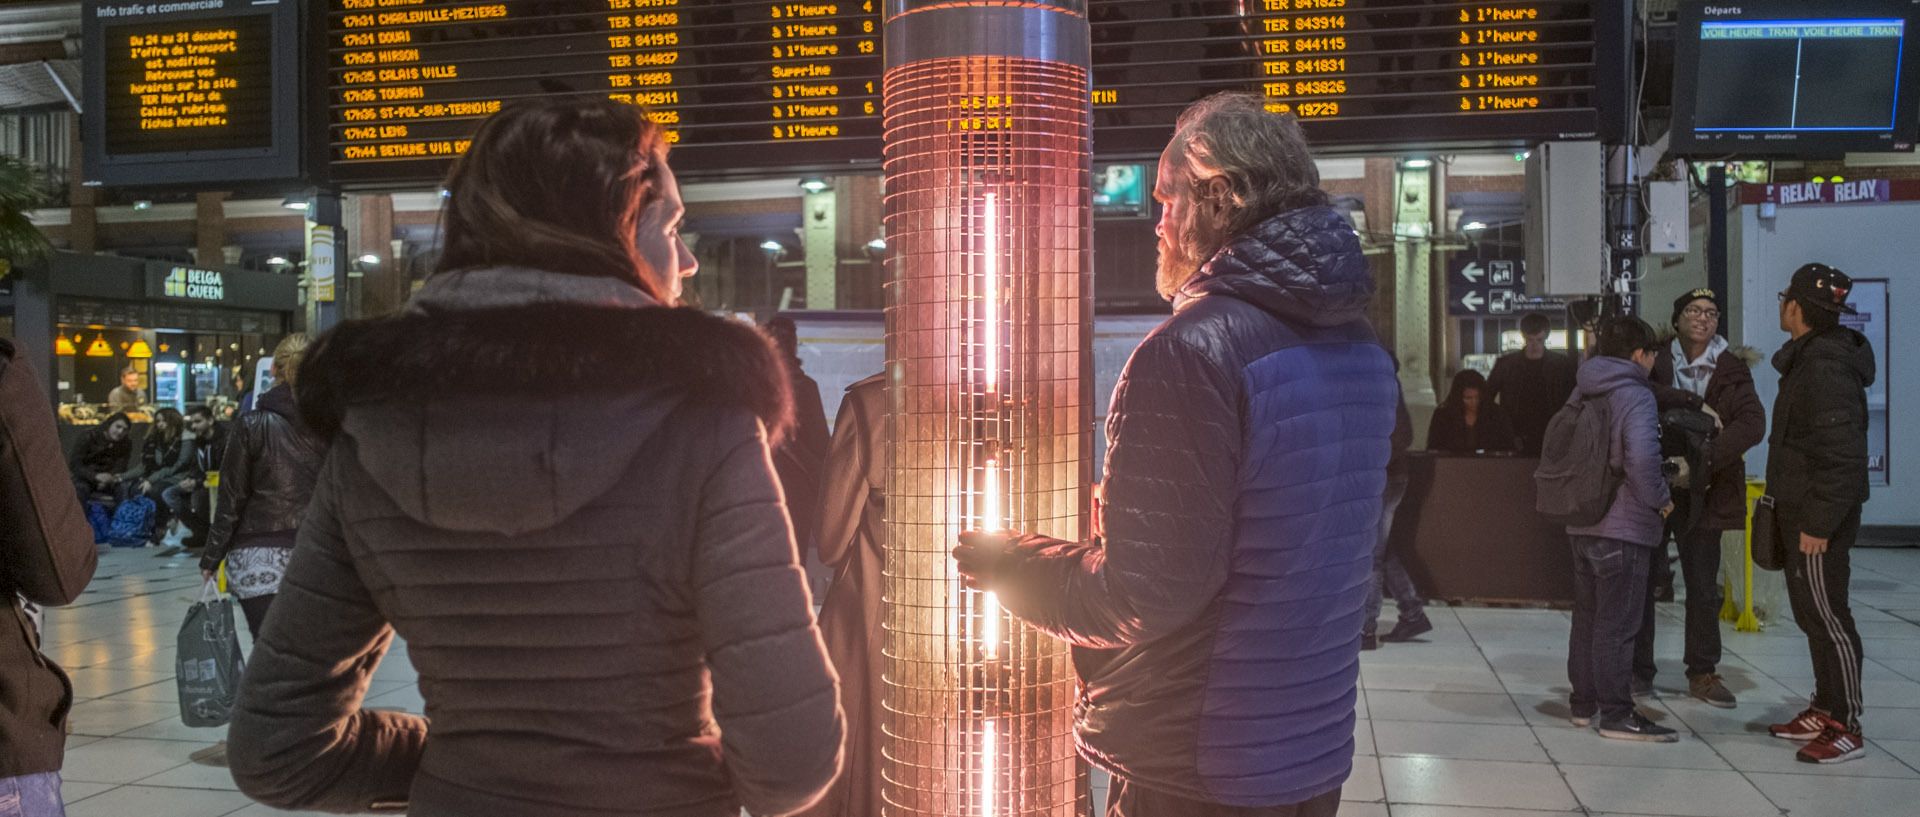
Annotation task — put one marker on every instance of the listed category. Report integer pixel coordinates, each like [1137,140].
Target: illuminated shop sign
[194,284]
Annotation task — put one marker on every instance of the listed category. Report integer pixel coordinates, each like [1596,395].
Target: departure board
[737,85]
[1360,74]
[795,86]
[190,91]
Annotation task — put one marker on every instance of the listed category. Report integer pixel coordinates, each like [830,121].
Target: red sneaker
[1805,726]
[1835,745]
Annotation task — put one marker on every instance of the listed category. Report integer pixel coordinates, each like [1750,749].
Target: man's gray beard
[1179,260]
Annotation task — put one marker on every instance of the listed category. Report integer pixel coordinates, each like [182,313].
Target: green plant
[20,191]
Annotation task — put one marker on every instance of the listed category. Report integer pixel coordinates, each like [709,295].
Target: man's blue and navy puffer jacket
[1217,628]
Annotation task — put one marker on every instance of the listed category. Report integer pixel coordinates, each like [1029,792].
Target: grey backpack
[1575,481]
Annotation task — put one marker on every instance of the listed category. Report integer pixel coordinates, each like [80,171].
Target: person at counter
[1531,384]
[101,456]
[1468,421]
[126,396]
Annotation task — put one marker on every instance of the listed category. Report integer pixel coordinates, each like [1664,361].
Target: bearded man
[1216,619]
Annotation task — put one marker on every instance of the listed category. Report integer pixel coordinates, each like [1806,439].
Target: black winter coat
[1817,453]
[1731,394]
[1492,431]
[266,478]
[95,454]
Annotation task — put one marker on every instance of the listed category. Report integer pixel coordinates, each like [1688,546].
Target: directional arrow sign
[1472,301]
[1472,272]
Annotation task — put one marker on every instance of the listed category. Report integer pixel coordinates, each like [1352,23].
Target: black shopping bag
[209,665]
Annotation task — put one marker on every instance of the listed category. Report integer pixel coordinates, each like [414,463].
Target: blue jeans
[1609,588]
[31,795]
[1389,576]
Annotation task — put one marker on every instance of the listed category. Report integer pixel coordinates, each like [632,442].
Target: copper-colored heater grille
[988,349]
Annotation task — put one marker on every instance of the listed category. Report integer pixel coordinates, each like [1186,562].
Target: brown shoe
[1710,689]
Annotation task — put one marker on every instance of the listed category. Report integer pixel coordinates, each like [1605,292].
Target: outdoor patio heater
[989,356]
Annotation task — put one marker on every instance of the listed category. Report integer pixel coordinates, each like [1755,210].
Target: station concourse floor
[1470,723]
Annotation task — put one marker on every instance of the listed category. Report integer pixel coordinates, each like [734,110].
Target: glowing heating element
[990,306]
[989,329]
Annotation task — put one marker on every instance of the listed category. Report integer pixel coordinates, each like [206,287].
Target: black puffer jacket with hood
[560,495]
[1817,453]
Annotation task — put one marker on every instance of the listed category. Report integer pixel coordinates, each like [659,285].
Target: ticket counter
[1467,530]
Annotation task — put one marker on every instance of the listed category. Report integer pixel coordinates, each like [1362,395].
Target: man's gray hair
[1262,155]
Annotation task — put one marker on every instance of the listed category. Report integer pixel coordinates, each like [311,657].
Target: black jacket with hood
[1817,453]
[560,495]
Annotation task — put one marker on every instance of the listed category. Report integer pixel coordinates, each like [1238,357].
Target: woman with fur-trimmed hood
[556,488]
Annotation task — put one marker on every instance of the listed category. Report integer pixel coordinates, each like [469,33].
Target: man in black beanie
[1817,475]
[1698,371]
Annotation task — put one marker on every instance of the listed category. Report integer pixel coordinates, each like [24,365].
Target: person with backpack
[1817,474]
[1599,475]
[1698,371]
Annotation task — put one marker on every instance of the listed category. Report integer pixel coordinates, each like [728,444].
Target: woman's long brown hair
[555,185]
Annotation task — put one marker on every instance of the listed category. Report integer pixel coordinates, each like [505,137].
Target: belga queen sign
[194,284]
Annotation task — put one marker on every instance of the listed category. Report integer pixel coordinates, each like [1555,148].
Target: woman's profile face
[667,260]
[116,430]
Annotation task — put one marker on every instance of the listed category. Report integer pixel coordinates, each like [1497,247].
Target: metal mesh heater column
[989,353]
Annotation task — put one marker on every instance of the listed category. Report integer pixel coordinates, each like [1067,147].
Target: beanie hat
[1680,303]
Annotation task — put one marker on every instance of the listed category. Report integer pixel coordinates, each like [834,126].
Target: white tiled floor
[1471,722]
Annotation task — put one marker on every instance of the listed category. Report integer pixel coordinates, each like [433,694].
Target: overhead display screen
[1789,78]
[736,84]
[190,91]
[795,86]
[1363,73]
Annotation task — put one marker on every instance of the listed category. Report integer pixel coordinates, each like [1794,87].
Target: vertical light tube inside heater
[989,326]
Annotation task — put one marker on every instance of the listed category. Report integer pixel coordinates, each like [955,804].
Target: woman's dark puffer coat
[565,506]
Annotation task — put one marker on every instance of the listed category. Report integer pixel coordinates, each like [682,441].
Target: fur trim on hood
[544,349]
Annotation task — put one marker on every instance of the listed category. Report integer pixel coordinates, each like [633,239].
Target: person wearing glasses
[1817,475]
[1699,370]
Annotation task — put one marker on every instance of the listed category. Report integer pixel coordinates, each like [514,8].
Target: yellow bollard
[1748,622]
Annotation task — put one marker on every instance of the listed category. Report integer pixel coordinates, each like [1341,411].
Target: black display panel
[1793,78]
[191,91]
[795,86]
[1365,74]
[738,85]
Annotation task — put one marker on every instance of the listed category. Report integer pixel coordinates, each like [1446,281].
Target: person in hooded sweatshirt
[556,487]
[1611,557]
[266,478]
[1216,625]
[1817,475]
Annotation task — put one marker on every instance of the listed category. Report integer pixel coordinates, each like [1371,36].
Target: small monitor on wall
[1795,78]
[1121,190]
